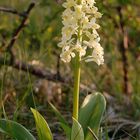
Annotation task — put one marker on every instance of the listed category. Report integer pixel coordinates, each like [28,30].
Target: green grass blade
[63,122]
[58,114]
[43,130]
[67,130]
[15,130]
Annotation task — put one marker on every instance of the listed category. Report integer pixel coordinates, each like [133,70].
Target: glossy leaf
[91,113]
[15,130]
[77,131]
[43,130]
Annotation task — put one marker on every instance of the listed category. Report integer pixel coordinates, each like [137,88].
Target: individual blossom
[79,33]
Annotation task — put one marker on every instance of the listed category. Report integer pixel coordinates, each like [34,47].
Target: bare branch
[17,32]
[17,64]
[12,11]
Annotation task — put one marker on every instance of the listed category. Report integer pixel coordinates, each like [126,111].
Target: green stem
[76,87]
[77,76]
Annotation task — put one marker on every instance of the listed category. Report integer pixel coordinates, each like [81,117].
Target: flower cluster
[79,33]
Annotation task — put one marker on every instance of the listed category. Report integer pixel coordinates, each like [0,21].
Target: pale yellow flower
[81,16]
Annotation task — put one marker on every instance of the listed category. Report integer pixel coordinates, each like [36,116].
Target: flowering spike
[80,17]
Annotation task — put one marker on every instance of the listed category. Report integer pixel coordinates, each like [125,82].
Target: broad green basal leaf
[91,113]
[15,130]
[77,131]
[43,130]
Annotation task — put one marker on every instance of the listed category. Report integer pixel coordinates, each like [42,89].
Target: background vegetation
[31,72]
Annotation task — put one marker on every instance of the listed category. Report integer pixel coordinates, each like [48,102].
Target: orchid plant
[78,35]
[80,42]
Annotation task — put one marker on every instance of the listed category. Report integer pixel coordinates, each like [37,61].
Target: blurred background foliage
[37,45]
